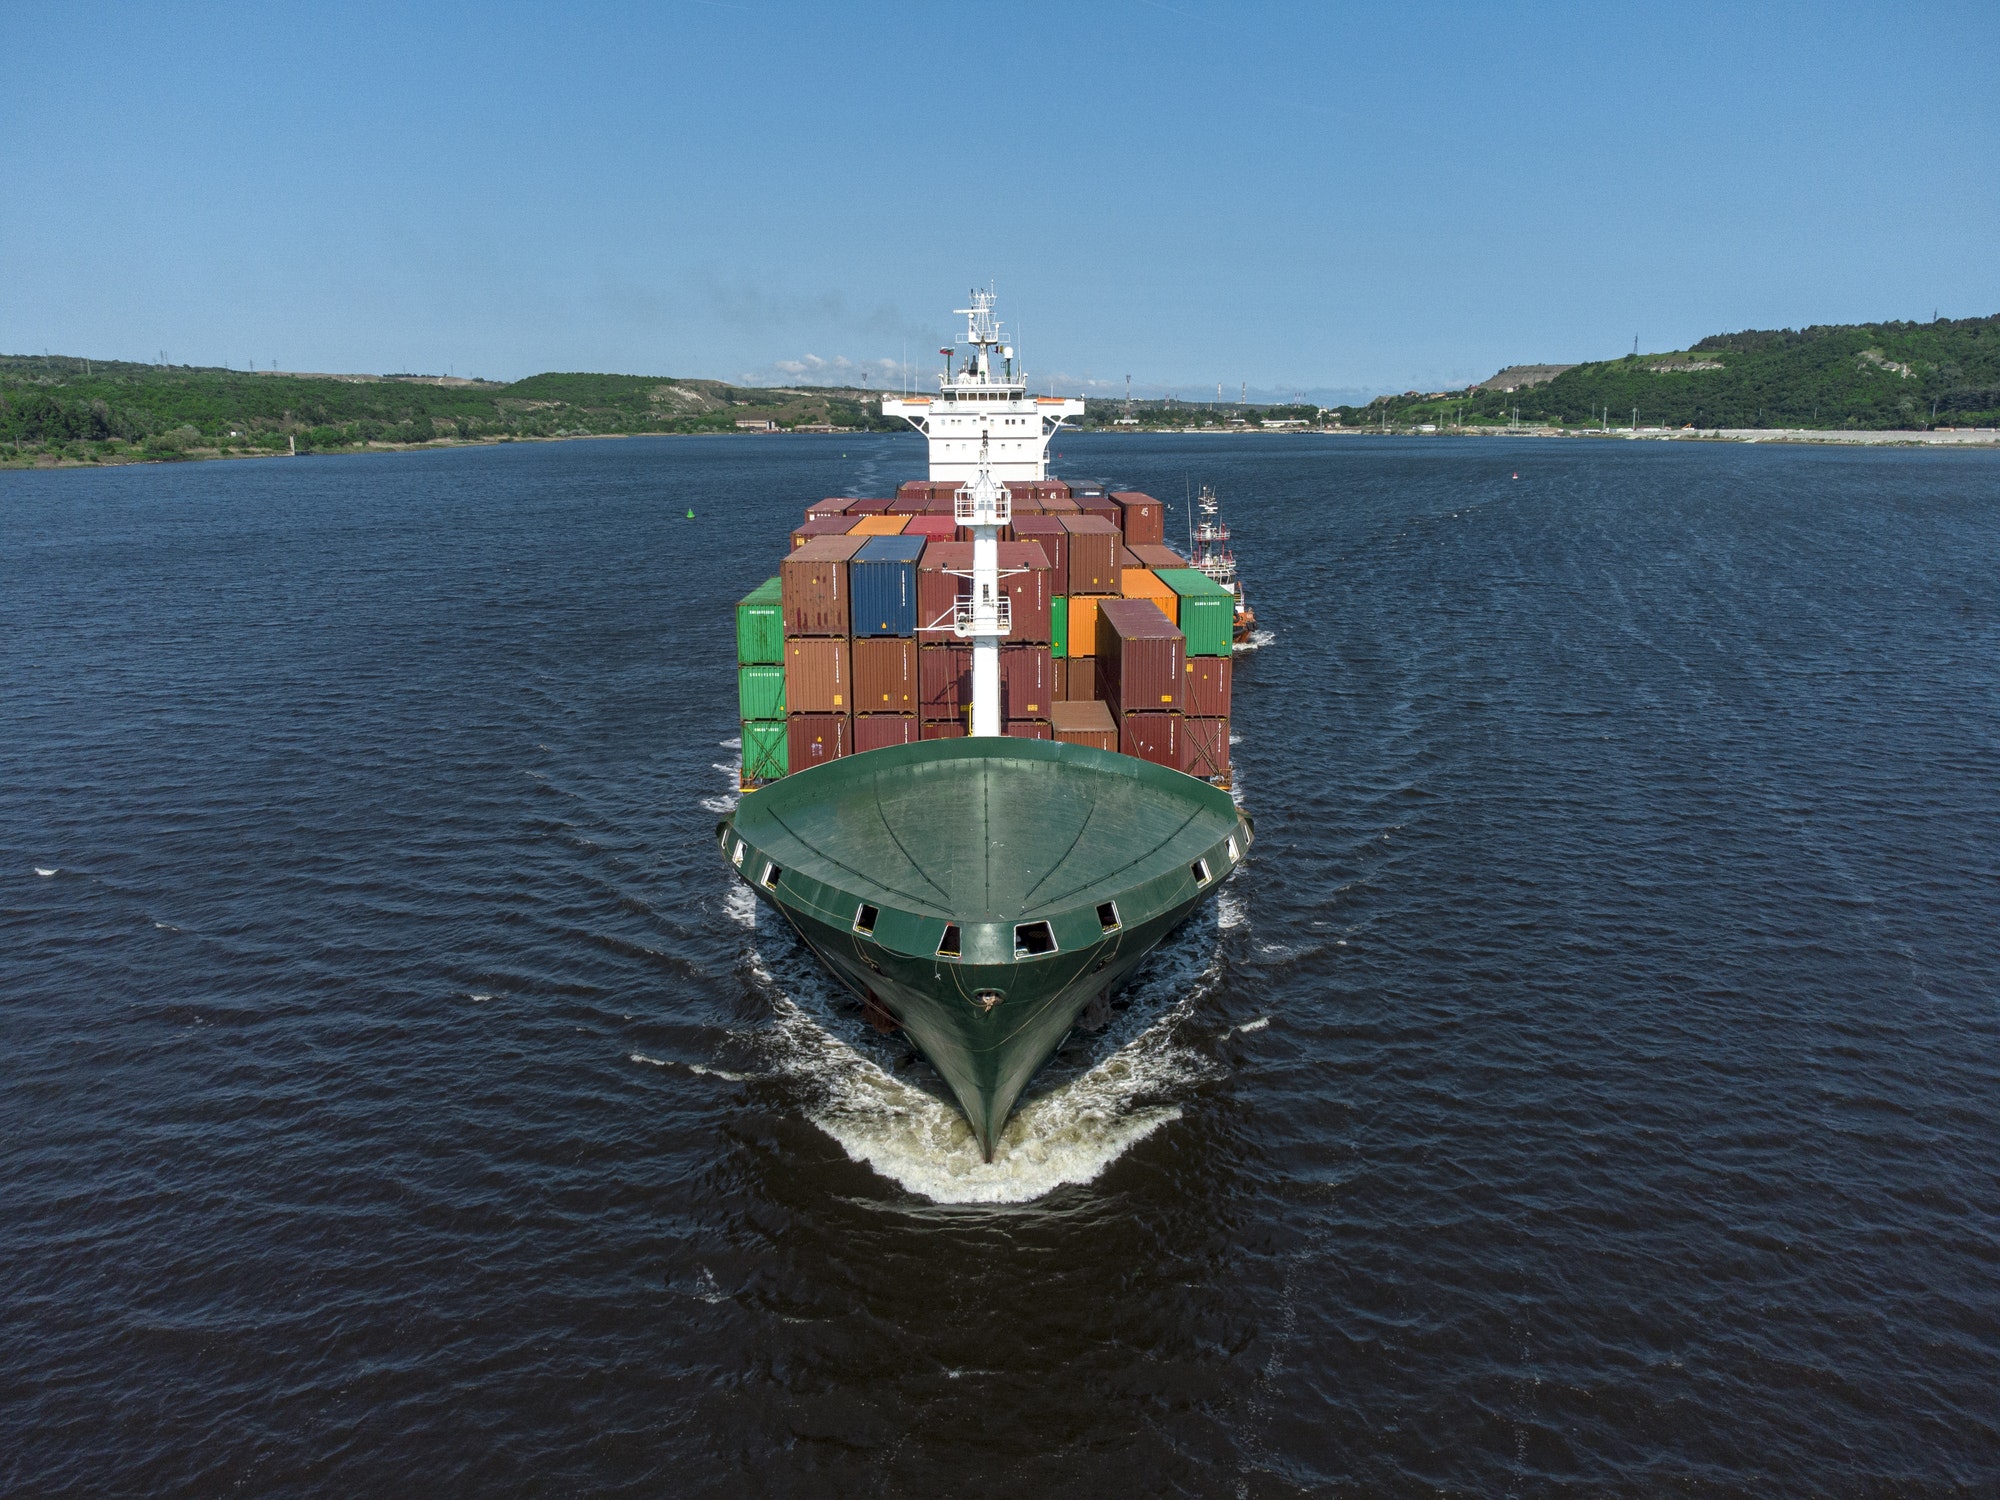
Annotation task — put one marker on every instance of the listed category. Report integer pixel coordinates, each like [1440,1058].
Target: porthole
[1031,939]
[771,875]
[1232,848]
[865,919]
[1199,869]
[1107,916]
[737,858]
[948,944]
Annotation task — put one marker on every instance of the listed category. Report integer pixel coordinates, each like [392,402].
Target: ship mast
[987,616]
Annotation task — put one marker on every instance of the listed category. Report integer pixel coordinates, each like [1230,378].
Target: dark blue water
[1591,1086]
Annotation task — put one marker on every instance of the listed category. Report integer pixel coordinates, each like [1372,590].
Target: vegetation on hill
[1868,376]
[92,410]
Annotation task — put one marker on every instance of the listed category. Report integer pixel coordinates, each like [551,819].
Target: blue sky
[1315,198]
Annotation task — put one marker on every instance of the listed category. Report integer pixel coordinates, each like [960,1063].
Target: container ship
[985,736]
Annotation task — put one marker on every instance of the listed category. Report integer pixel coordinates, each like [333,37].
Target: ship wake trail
[1066,1135]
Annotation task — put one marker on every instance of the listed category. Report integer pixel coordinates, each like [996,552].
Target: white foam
[1066,1136]
[734,743]
[1257,1025]
[166,927]
[1259,639]
[739,904]
[651,1062]
[477,996]
[45,871]
[726,803]
[1229,912]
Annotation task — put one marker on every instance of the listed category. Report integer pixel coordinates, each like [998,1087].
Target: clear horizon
[1324,201]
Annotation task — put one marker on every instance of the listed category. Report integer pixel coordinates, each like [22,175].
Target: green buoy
[690,513]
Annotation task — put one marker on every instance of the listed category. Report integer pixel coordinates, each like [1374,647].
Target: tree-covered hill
[1868,376]
[79,409]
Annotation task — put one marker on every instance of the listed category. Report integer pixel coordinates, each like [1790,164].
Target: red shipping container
[1127,558]
[838,505]
[908,505]
[880,731]
[1157,555]
[814,526]
[1141,657]
[1079,680]
[1028,586]
[1027,682]
[942,729]
[885,675]
[1085,724]
[941,504]
[1048,533]
[1030,729]
[1059,505]
[1154,737]
[1205,687]
[1145,518]
[936,528]
[1204,747]
[818,675]
[1103,508]
[813,580]
[874,506]
[944,680]
[1093,554]
[815,739]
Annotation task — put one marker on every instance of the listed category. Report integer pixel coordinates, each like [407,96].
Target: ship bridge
[984,404]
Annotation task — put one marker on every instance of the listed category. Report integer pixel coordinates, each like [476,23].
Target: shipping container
[1141,657]
[885,675]
[1127,558]
[1154,737]
[1206,613]
[907,504]
[1143,583]
[1083,624]
[944,680]
[941,504]
[1059,505]
[760,692]
[1145,518]
[818,675]
[932,528]
[1093,555]
[919,487]
[1103,509]
[1205,687]
[1079,682]
[1059,627]
[1029,729]
[834,507]
[815,585]
[1026,580]
[814,526]
[1027,682]
[1085,724]
[814,739]
[765,752]
[941,729]
[1155,555]
[1047,533]
[1085,489]
[883,525]
[874,505]
[760,625]
[880,731]
[882,584]
[1205,747]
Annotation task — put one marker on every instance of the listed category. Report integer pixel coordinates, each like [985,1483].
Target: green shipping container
[1207,611]
[765,757]
[760,692]
[1059,626]
[760,626]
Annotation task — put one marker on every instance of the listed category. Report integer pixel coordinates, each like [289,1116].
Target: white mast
[984,428]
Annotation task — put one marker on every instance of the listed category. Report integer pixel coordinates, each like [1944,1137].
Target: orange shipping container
[818,675]
[1144,583]
[884,525]
[1083,624]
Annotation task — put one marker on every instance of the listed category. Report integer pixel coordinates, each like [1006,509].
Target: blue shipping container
[882,586]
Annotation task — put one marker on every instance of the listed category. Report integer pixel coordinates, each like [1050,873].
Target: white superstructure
[984,429]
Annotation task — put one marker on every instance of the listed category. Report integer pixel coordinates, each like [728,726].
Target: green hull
[1056,869]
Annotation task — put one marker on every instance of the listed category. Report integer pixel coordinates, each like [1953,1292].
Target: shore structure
[984,873]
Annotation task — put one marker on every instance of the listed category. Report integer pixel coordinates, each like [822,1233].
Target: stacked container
[1141,661]
[760,655]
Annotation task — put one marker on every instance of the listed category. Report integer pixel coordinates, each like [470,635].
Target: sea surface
[1589,1086]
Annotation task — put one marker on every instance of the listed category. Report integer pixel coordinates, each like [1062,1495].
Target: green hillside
[1868,376]
[76,410]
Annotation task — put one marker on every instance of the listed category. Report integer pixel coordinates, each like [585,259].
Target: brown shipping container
[1027,682]
[943,729]
[1102,508]
[943,674]
[1093,554]
[1205,691]
[908,505]
[914,487]
[941,505]
[873,506]
[1047,533]
[1060,505]
[834,507]
[814,585]
[814,739]
[1157,555]
[938,590]
[819,675]
[1140,657]
[935,528]
[1085,724]
[1145,517]
[1127,558]
[1029,729]
[1080,680]
[885,675]
[806,530]
[1154,737]
[1204,747]
[880,731]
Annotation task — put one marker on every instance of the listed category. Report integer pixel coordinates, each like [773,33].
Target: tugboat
[980,892]
[1214,557]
